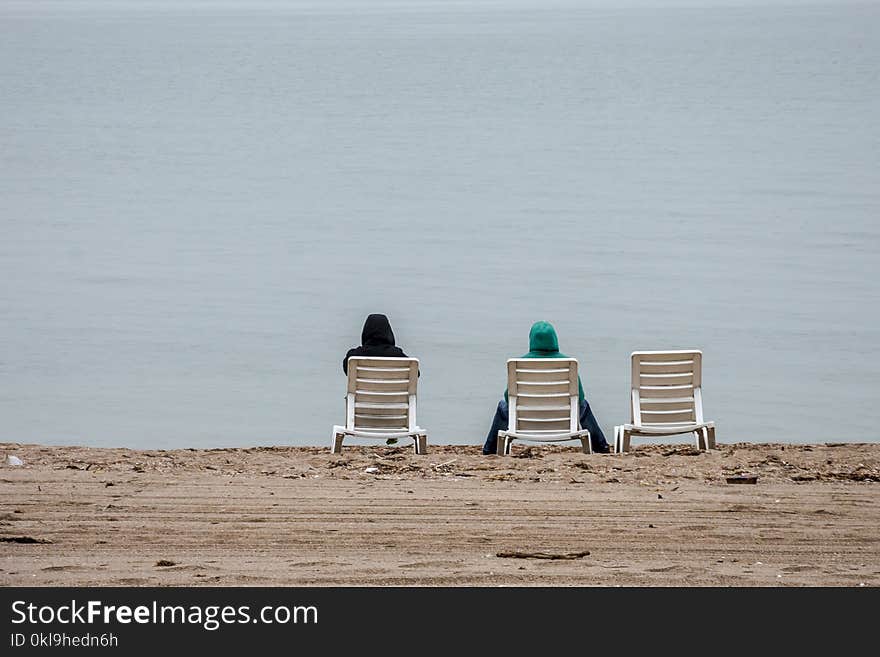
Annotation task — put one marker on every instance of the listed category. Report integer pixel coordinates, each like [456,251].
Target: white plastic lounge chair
[666,399]
[381,402]
[543,403]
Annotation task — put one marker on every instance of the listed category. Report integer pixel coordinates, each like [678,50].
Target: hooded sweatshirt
[543,343]
[377,339]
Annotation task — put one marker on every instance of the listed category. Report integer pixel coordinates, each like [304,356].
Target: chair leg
[705,433]
[508,445]
[336,443]
[500,441]
[616,438]
[422,443]
[699,437]
[586,446]
[625,440]
[710,438]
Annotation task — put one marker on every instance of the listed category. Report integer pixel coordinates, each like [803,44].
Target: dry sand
[662,515]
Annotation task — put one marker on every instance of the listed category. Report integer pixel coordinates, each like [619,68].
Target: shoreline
[660,515]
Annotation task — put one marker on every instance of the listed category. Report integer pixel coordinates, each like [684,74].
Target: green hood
[543,340]
[543,343]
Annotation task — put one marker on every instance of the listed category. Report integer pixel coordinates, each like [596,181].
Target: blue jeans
[588,421]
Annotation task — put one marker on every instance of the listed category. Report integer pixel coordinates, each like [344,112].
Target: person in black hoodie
[377,339]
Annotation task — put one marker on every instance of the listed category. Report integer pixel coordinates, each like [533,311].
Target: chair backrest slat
[382,394]
[666,388]
[543,395]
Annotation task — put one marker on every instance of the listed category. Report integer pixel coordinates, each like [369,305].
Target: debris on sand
[742,479]
[502,476]
[165,563]
[516,554]
[14,461]
[24,539]
[683,451]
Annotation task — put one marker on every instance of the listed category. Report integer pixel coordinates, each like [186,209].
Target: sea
[201,201]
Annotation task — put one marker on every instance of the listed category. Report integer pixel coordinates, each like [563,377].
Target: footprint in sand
[798,569]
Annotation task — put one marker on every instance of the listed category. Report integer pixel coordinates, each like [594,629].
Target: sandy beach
[661,515]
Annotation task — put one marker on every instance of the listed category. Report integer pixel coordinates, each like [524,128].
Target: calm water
[199,204]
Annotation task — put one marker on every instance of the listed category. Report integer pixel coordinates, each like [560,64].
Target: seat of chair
[668,430]
[367,433]
[539,437]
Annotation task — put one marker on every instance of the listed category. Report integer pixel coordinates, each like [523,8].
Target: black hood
[377,331]
[377,340]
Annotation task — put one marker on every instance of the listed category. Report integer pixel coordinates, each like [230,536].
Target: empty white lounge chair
[666,399]
[543,403]
[381,402]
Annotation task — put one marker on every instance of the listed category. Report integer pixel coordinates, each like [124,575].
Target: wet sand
[661,515]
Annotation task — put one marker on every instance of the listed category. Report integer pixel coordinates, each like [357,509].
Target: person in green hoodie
[543,343]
